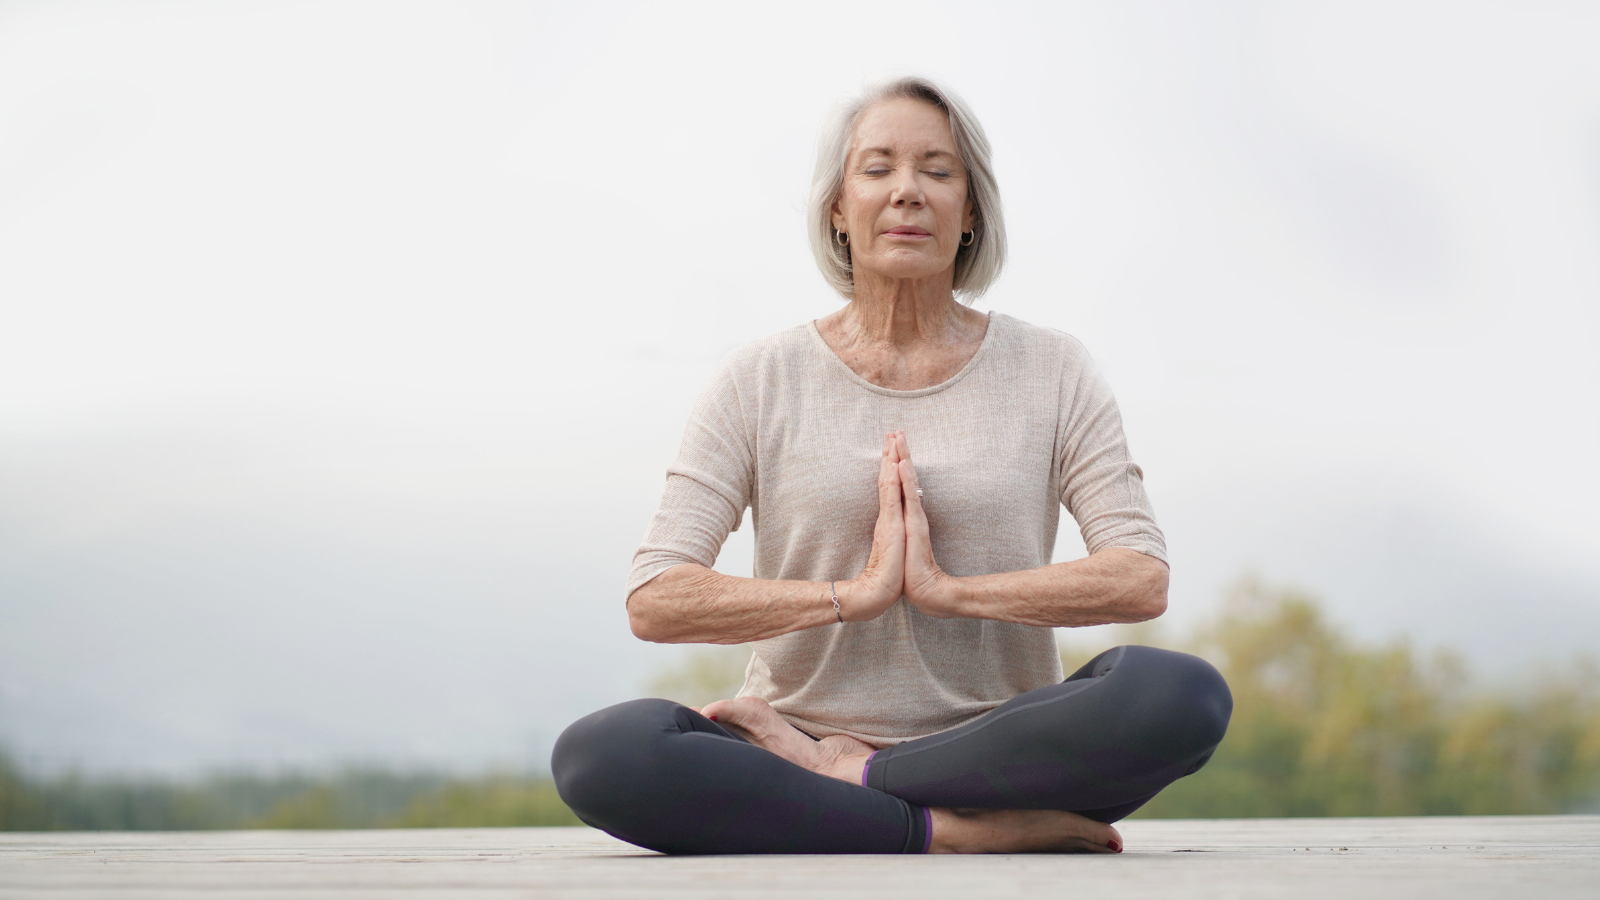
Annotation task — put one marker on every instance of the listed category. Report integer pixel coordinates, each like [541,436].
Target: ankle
[951,832]
[1018,831]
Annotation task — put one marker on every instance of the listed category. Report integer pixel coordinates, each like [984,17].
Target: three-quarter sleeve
[708,486]
[1101,486]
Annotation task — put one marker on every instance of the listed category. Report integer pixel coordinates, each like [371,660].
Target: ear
[836,217]
[970,219]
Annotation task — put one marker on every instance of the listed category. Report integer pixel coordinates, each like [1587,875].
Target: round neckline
[983,348]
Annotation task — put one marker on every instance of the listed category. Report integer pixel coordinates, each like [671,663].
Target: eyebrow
[889,151]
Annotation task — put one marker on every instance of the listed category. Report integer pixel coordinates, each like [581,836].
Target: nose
[907,191]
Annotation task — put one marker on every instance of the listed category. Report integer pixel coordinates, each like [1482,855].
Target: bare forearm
[1112,586]
[694,604]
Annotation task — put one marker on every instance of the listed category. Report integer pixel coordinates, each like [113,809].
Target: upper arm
[1101,486]
[708,486]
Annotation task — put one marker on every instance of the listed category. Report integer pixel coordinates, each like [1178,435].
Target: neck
[903,311]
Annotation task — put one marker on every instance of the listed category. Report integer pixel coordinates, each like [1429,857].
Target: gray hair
[977,265]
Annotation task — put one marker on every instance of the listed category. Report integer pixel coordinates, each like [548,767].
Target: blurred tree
[1324,728]
[21,807]
[355,798]
[496,801]
[318,807]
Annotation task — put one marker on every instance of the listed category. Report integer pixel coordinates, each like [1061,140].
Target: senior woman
[904,460]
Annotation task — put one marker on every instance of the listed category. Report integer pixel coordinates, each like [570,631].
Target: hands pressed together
[902,562]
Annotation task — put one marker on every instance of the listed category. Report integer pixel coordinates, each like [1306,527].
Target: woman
[905,460]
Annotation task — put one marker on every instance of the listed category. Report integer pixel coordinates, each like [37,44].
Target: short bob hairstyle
[977,265]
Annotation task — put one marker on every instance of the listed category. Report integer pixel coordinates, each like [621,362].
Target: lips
[909,230]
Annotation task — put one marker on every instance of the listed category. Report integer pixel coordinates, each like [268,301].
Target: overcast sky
[343,345]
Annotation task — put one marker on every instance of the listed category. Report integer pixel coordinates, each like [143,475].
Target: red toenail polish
[712,718]
[1116,846]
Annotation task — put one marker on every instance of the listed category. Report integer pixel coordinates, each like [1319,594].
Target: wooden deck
[1544,856]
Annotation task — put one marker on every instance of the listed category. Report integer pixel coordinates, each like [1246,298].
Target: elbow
[1153,607]
[1150,598]
[661,610]
[644,618]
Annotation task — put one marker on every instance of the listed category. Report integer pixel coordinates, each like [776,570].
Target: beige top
[790,431]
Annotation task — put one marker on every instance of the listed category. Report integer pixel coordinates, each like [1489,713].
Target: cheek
[869,196]
[861,206]
[955,206]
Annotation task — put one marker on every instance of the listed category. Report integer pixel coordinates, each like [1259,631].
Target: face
[904,200]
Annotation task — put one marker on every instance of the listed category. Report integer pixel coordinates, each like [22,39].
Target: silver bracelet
[835,592]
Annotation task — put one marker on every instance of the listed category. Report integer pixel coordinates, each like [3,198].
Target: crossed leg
[1048,770]
[952,830]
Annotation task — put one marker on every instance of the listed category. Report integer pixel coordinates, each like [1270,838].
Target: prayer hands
[901,562]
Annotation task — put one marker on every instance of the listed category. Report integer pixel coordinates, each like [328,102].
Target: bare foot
[837,756]
[1020,831]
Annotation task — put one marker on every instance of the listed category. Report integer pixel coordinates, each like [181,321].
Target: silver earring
[842,238]
[967,237]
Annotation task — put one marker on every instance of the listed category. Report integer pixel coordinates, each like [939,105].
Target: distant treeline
[352,799]
[1321,727]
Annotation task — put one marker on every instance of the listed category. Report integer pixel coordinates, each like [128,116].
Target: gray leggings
[1102,743]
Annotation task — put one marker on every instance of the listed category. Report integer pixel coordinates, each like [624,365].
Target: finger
[910,486]
[919,546]
[891,499]
[897,496]
[888,481]
[902,453]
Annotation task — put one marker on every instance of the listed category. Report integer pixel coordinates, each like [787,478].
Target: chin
[897,266]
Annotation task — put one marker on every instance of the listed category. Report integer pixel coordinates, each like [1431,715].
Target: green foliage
[492,802]
[355,798]
[1322,727]
[21,807]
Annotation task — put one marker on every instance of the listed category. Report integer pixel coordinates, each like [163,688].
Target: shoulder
[1039,343]
[1057,364]
[748,373]
[778,347]
[765,359]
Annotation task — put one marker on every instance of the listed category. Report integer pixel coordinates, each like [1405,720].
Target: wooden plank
[1467,857]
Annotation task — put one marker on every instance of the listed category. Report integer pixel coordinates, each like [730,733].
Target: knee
[598,760]
[1186,697]
[1208,699]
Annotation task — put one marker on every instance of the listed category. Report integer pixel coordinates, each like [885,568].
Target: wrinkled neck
[906,311]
